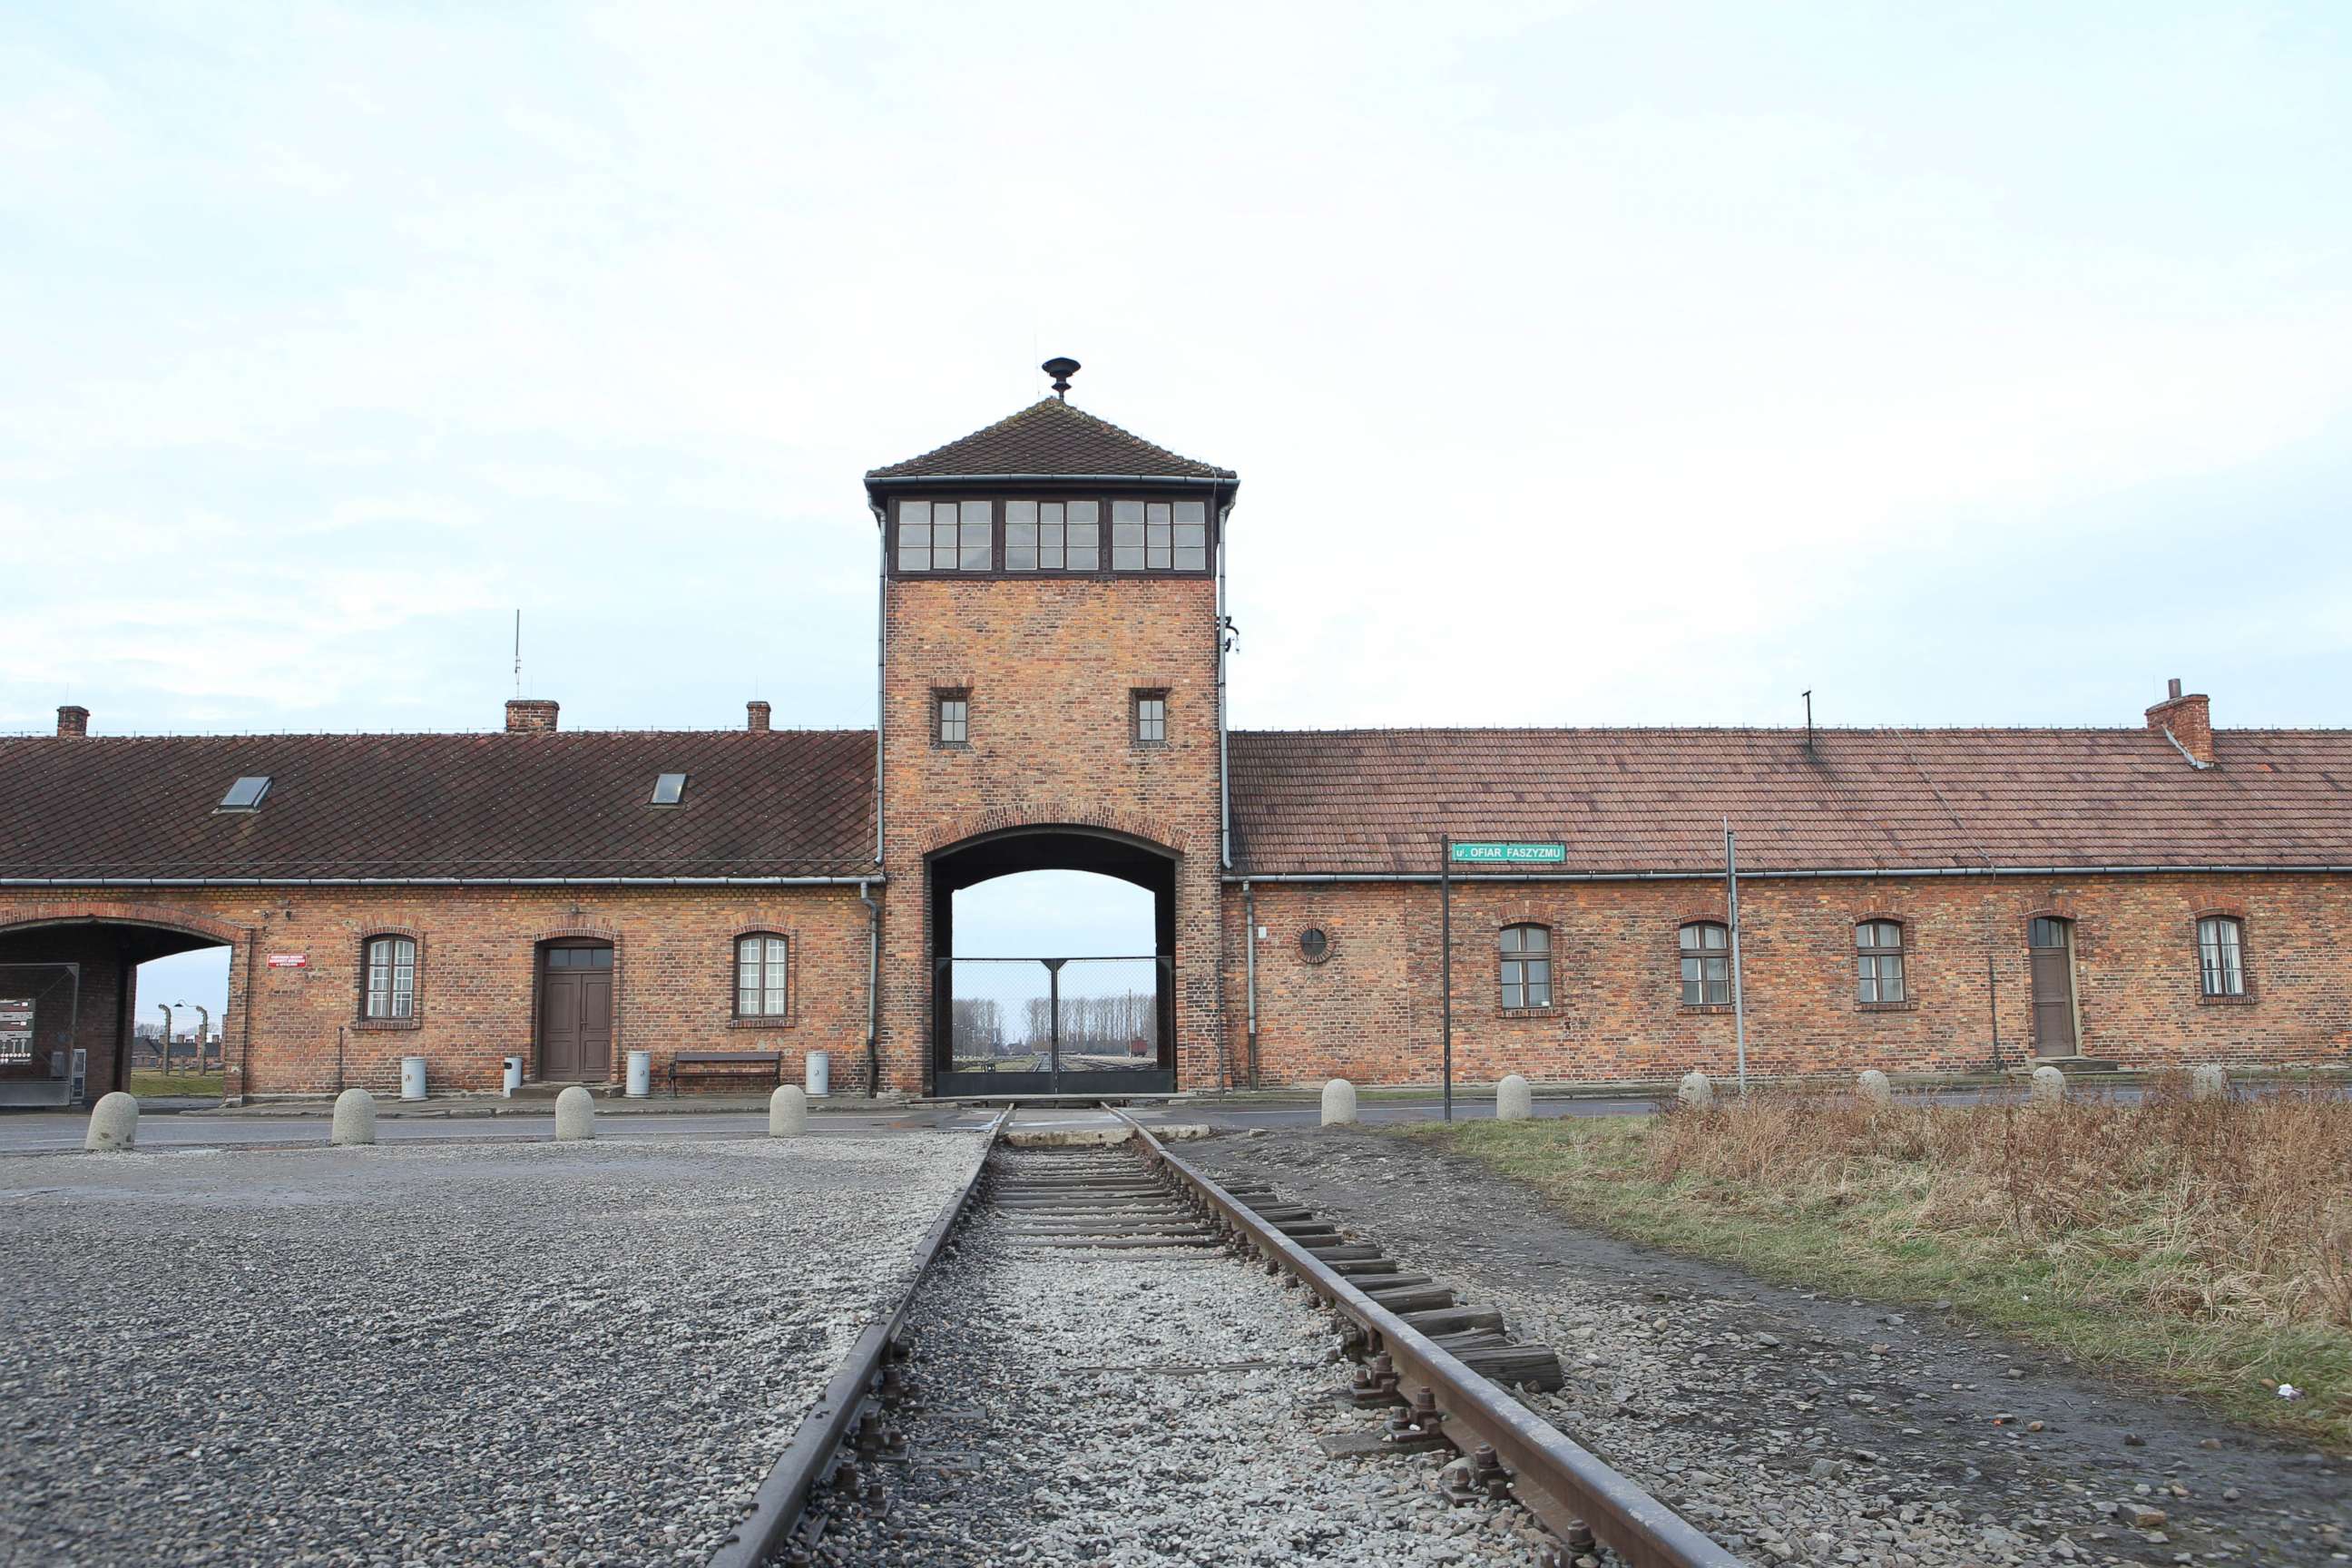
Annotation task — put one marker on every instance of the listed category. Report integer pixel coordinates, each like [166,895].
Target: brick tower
[1051,698]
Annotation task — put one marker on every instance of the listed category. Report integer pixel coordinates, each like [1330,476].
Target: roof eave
[878,480]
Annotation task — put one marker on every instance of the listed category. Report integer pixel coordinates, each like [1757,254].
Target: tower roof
[1050,439]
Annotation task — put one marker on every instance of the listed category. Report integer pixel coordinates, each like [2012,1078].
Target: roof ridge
[1818,729]
[556,735]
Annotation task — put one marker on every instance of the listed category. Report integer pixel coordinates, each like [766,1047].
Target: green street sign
[1509,854]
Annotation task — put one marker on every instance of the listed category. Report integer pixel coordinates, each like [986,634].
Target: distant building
[1052,694]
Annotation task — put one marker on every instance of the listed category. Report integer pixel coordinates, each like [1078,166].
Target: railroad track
[1066,1276]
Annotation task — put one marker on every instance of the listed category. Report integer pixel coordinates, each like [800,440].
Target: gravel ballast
[1122,1407]
[1798,1429]
[575,1353]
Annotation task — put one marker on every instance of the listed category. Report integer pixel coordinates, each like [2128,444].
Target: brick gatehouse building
[1053,694]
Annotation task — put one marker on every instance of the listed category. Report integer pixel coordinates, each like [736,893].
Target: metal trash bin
[412,1078]
[820,1074]
[641,1074]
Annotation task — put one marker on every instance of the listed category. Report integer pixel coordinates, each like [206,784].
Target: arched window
[388,977]
[2221,955]
[761,973]
[1707,964]
[1878,962]
[1527,966]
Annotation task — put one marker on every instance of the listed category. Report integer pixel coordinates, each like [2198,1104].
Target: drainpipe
[873,997]
[1249,947]
[1225,631]
[881,668]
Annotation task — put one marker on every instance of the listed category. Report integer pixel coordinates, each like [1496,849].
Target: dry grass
[2206,1243]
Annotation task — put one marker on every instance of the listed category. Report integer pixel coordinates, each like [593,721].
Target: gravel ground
[1796,1429]
[1150,1406]
[550,1353]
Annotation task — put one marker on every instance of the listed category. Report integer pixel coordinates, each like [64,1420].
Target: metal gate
[1053,1025]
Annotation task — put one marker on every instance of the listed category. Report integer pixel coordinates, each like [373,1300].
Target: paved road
[36,1132]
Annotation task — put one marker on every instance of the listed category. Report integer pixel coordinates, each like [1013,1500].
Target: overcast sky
[1630,362]
[1615,362]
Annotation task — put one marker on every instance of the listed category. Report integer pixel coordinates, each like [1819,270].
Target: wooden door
[2050,945]
[575,1013]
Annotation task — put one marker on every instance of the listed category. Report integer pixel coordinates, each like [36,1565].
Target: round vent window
[1314,945]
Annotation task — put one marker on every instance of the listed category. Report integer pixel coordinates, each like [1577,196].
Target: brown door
[2049,943]
[575,1012]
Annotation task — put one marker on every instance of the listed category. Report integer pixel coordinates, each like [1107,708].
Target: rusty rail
[1564,1484]
[851,1401]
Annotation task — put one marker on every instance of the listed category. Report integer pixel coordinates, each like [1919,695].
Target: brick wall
[1050,664]
[1370,1010]
[476,987]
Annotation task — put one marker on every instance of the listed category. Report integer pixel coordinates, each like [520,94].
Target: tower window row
[1050,536]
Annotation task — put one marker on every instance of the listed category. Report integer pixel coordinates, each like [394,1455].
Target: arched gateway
[1051,1022]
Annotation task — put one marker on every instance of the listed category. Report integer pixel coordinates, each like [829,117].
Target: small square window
[954,723]
[245,793]
[668,789]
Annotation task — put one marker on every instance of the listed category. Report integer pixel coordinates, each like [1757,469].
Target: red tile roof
[777,802]
[1632,800]
[1050,438]
[799,803]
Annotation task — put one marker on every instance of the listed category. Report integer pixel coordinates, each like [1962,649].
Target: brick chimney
[759,711]
[2188,721]
[530,716]
[73,719]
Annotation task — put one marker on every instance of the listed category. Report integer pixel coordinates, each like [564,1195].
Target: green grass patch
[2176,1246]
[159,1084]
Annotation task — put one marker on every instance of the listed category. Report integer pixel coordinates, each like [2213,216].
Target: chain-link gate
[1059,1024]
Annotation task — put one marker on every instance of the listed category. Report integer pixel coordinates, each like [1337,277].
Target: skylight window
[669,789]
[245,793]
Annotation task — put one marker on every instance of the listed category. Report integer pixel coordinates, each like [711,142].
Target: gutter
[859,881]
[1869,872]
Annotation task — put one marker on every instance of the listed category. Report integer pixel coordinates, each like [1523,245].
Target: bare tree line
[1090,1026]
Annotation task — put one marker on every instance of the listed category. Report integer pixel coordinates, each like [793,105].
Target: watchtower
[1051,697]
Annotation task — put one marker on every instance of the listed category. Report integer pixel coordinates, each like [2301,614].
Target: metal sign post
[1445,960]
[1489,852]
[1731,898]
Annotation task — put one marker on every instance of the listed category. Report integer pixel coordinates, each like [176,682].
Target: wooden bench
[768,1062]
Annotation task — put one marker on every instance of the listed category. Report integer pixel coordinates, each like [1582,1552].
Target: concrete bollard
[354,1117]
[1875,1092]
[113,1123]
[1339,1102]
[1513,1102]
[2048,1087]
[2209,1082]
[575,1114]
[1697,1093]
[788,1112]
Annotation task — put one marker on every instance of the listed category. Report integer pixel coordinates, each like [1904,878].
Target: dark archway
[1047,1023]
[68,986]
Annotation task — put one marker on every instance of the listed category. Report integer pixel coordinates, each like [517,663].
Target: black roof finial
[1061,367]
